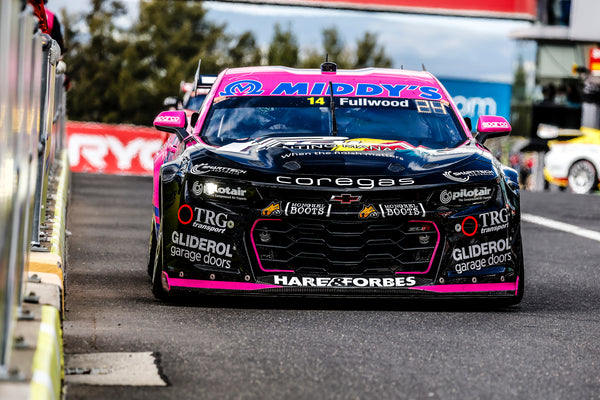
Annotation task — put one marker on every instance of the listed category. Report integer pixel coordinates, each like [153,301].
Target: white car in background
[575,163]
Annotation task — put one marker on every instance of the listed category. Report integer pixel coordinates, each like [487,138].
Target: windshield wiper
[332,109]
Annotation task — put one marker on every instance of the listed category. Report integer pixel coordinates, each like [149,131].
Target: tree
[124,75]
[369,54]
[245,52]
[283,49]
[333,49]
[164,48]
[94,66]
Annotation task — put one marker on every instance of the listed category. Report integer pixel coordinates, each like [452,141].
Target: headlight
[169,172]
[211,188]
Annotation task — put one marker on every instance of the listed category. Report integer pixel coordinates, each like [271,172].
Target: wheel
[157,275]
[152,250]
[582,177]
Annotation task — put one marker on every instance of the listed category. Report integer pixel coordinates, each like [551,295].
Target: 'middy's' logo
[246,87]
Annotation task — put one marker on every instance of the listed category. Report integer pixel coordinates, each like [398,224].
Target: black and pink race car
[331,182]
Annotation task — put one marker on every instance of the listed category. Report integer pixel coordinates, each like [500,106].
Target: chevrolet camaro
[327,182]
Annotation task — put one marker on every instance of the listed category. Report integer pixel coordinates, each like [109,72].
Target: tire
[152,250]
[157,288]
[583,177]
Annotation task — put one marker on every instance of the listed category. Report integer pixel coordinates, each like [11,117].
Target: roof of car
[368,82]
[317,71]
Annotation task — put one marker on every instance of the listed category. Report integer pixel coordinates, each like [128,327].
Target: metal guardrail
[32,134]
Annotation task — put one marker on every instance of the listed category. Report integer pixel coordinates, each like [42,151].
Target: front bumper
[479,290]
[392,244]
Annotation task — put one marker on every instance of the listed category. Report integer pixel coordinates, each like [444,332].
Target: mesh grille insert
[345,247]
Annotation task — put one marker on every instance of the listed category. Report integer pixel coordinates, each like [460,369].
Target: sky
[449,47]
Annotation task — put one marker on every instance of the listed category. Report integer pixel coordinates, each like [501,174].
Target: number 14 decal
[316,100]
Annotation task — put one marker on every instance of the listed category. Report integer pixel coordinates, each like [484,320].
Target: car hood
[335,156]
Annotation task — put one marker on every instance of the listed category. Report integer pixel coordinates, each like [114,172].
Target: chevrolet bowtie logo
[345,198]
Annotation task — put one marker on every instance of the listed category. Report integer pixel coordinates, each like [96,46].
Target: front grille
[335,247]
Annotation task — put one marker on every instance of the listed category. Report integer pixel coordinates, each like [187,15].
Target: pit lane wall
[34,181]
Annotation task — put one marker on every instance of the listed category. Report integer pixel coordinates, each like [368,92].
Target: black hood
[338,156]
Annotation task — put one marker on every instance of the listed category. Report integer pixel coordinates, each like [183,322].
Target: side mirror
[173,122]
[489,126]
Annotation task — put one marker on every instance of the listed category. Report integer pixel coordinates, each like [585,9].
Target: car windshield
[420,122]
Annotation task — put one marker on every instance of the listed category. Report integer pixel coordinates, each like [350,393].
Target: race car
[575,163]
[326,182]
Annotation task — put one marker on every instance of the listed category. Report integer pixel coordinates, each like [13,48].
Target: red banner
[511,9]
[112,149]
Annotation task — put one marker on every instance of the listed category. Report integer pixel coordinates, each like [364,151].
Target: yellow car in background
[575,163]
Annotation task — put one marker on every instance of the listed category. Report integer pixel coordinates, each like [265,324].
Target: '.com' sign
[477,98]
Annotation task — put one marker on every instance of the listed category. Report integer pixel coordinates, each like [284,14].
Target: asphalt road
[235,348]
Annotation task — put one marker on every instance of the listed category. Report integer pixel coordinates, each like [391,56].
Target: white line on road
[114,369]
[561,226]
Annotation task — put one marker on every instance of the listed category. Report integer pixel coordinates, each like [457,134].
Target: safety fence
[32,140]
